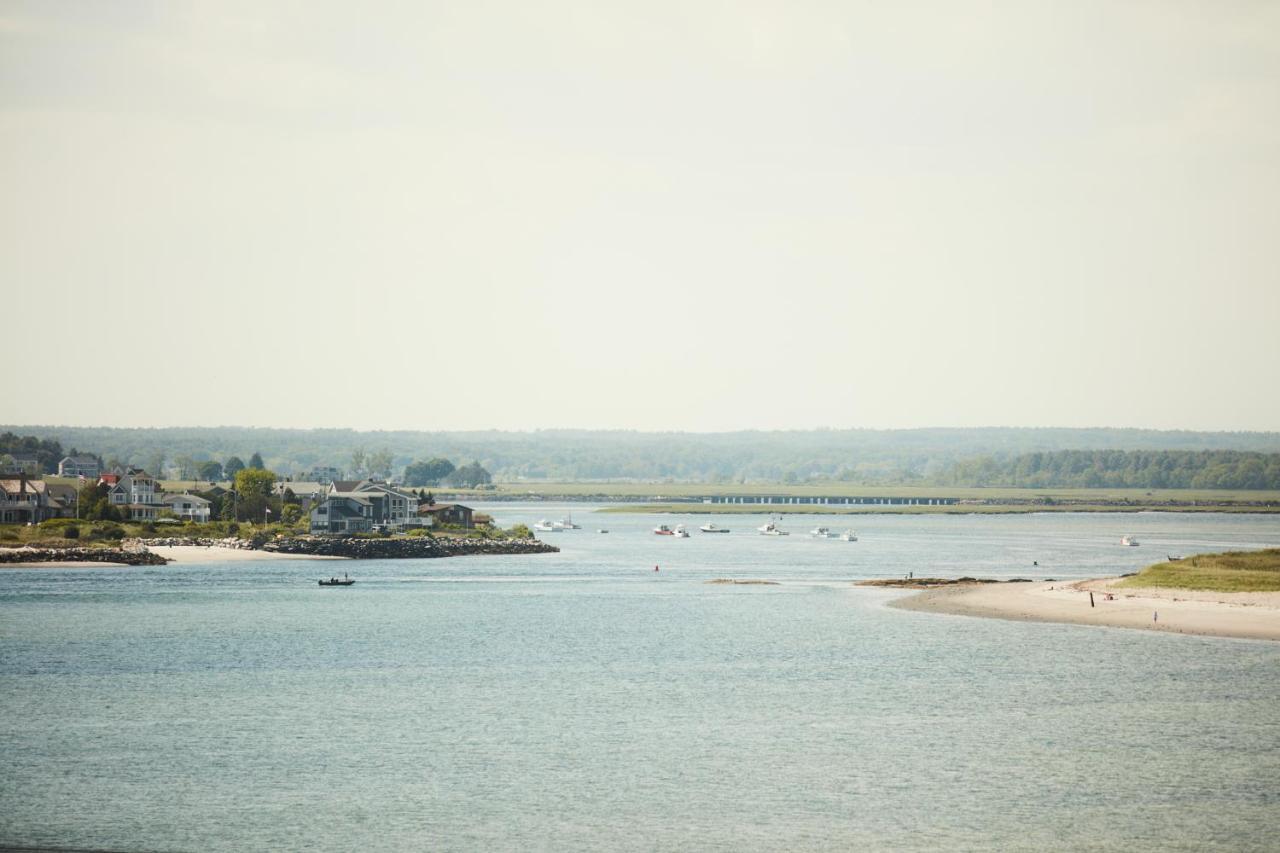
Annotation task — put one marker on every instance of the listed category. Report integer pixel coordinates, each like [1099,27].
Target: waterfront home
[187,507]
[348,512]
[79,466]
[135,493]
[455,514]
[400,508]
[23,500]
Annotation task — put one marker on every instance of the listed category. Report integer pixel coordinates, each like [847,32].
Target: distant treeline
[866,457]
[1138,469]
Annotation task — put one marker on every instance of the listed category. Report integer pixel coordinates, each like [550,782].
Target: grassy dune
[1233,571]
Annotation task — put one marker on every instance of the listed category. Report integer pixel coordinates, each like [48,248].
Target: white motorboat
[849,536]
[603,530]
[712,527]
[771,529]
[566,523]
[544,526]
[680,532]
[822,533]
[1131,541]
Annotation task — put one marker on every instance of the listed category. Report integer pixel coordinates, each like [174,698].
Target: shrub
[8,536]
[233,529]
[521,531]
[71,532]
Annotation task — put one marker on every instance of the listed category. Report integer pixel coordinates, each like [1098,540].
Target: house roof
[80,460]
[345,485]
[174,496]
[15,485]
[433,508]
[66,494]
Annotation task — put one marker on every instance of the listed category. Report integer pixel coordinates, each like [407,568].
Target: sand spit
[1248,615]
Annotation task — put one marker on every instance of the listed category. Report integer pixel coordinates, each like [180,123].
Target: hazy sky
[641,215]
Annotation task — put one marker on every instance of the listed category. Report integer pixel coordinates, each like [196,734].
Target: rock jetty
[409,547]
[196,541]
[125,556]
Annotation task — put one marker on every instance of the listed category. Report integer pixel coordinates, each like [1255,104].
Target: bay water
[584,701]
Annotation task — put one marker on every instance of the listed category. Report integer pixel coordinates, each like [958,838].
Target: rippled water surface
[581,701]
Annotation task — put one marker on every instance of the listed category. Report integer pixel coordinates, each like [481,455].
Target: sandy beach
[200,554]
[1249,615]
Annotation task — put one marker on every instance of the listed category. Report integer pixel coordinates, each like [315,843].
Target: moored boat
[822,533]
[544,525]
[771,529]
[680,532]
[663,530]
[712,527]
[849,536]
[1131,541]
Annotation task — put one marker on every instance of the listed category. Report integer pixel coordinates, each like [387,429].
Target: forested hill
[946,456]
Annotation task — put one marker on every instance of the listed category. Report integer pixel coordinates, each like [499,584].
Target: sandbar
[1246,615]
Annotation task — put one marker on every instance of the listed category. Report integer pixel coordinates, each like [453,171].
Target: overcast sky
[641,215]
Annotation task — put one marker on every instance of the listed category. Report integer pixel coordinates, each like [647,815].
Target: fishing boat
[545,526]
[663,530]
[680,532]
[822,533]
[849,536]
[771,529]
[566,523]
[603,530]
[712,527]
[342,581]
[1131,541]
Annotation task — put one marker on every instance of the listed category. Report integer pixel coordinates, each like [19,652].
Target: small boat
[337,582]
[680,532]
[663,530]
[566,523]
[822,533]
[771,529]
[545,526]
[849,536]
[712,527]
[1131,541]
[603,530]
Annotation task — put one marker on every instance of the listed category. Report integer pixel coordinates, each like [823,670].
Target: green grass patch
[1233,571]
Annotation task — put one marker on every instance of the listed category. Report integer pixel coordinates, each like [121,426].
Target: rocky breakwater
[409,547]
[193,541]
[125,556]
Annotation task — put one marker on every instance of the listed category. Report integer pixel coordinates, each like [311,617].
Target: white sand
[1252,615]
[200,554]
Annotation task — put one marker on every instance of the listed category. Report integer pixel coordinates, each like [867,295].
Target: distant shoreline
[926,509]
[1238,615]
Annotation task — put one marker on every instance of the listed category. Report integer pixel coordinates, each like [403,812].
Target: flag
[268,511]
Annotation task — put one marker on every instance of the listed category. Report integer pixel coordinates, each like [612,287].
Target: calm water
[580,701]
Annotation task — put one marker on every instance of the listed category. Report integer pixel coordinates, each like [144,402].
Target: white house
[187,507]
[135,492]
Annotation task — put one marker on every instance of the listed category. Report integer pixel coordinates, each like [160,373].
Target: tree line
[1132,469]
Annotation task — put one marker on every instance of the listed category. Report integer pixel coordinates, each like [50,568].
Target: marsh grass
[1233,571]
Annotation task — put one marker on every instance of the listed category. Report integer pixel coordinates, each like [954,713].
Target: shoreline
[1237,615]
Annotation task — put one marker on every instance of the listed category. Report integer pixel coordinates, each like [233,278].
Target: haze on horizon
[654,216]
